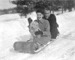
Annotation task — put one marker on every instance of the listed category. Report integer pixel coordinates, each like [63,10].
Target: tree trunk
[62,9]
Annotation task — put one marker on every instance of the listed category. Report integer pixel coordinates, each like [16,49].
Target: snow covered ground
[13,27]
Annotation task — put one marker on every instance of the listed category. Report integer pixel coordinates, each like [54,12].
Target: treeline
[8,11]
[26,6]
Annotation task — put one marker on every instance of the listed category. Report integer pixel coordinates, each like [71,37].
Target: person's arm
[53,20]
[47,29]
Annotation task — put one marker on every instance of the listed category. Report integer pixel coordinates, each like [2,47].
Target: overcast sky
[4,4]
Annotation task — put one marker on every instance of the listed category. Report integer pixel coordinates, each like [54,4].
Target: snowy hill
[62,49]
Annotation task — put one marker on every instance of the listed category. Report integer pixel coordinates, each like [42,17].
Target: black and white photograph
[37,29]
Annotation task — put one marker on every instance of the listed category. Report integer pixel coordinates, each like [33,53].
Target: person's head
[35,25]
[47,12]
[40,15]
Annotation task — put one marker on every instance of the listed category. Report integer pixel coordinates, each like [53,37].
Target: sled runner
[40,48]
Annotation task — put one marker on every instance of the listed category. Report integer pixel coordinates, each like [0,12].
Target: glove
[38,32]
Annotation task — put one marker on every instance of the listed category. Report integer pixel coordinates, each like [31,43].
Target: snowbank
[9,17]
[66,22]
[11,28]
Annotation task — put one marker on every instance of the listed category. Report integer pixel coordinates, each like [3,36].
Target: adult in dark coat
[53,23]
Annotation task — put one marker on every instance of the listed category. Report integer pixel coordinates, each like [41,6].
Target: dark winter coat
[53,26]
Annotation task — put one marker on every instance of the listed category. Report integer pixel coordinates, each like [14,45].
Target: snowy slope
[13,28]
[62,49]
